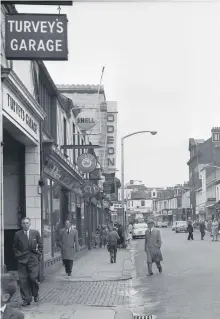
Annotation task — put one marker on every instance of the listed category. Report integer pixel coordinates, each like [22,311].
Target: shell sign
[86,119]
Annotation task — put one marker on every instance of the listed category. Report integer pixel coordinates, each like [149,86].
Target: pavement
[188,288]
[97,289]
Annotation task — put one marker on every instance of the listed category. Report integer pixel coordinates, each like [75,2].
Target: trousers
[28,276]
[68,264]
[190,236]
[113,251]
[149,266]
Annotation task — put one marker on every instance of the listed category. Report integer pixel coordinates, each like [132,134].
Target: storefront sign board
[19,113]
[110,165]
[86,163]
[36,36]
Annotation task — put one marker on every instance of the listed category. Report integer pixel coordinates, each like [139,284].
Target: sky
[162,66]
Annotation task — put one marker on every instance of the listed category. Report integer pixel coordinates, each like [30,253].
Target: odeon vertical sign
[36,36]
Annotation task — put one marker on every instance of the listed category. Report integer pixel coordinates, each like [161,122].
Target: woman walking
[215,230]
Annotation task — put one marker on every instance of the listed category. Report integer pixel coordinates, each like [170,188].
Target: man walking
[152,247]
[28,248]
[112,244]
[68,242]
[190,230]
[202,230]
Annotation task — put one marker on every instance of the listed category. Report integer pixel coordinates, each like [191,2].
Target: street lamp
[122,168]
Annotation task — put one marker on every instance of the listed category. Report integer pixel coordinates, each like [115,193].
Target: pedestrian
[152,247]
[28,248]
[68,242]
[8,289]
[202,230]
[215,230]
[112,244]
[105,235]
[190,230]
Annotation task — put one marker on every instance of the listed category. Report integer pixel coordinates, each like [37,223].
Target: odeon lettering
[111,140]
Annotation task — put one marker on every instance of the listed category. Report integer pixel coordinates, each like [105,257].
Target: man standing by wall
[28,248]
[152,247]
[68,241]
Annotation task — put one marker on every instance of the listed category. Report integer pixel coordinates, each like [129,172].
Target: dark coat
[202,227]
[28,249]
[68,242]
[190,228]
[152,246]
[11,313]
[112,237]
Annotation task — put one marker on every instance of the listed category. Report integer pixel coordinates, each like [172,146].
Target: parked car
[139,230]
[164,224]
[159,224]
[181,227]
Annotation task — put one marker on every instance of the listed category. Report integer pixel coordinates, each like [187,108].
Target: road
[188,288]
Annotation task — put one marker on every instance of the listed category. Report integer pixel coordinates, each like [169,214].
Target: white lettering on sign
[111,141]
[36,36]
[36,26]
[20,114]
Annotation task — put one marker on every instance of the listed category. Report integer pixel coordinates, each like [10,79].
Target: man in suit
[68,242]
[8,289]
[28,248]
[112,240]
[152,247]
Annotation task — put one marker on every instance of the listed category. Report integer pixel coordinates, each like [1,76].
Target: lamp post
[122,168]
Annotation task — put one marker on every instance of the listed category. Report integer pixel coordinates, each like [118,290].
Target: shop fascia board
[79,178]
[10,78]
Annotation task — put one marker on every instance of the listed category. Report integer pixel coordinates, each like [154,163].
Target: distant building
[204,174]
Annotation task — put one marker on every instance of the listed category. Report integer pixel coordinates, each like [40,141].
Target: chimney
[215,134]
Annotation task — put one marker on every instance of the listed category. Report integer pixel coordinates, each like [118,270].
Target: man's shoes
[160,269]
[25,303]
[36,298]
[69,274]
[150,274]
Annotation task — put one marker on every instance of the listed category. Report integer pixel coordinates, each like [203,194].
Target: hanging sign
[86,119]
[90,189]
[36,36]
[86,163]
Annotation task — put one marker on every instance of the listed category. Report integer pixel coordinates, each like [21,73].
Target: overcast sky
[162,66]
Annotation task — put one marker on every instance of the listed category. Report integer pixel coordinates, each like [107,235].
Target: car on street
[181,227]
[139,230]
[158,224]
[164,224]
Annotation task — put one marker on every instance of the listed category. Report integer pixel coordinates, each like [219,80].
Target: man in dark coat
[68,242]
[202,230]
[8,289]
[190,230]
[152,247]
[28,248]
[112,244]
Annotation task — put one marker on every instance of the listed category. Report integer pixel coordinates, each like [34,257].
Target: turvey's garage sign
[36,36]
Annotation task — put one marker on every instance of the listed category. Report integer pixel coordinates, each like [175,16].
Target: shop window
[51,218]
[143,203]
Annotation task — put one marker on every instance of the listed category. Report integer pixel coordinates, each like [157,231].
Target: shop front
[62,200]
[20,158]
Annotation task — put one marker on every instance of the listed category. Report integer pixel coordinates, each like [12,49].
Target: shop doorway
[14,193]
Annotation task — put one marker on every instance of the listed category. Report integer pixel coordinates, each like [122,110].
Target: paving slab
[96,266]
[75,312]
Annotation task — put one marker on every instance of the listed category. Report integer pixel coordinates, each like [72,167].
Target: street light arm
[139,132]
